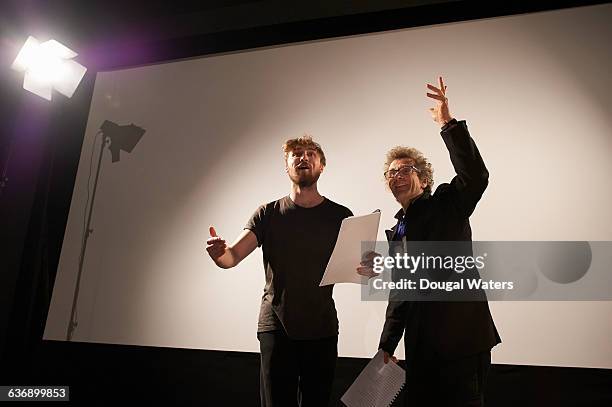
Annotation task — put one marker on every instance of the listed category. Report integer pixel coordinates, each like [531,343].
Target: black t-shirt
[297,243]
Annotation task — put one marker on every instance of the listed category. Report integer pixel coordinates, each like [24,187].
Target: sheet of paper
[377,385]
[343,263]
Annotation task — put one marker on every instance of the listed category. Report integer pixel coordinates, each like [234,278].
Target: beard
[304,180]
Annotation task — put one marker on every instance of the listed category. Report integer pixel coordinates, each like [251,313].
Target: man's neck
[306,197]
[407,204]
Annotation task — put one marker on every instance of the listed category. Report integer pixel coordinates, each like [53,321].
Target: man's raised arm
[472,178]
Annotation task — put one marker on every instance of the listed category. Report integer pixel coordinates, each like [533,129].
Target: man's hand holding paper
[356,238]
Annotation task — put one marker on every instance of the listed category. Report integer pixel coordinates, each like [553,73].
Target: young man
[448,344]
[298,326]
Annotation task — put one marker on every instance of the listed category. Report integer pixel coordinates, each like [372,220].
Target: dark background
[40,144]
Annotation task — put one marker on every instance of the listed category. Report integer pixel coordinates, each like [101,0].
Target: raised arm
[229,256]
[467,187]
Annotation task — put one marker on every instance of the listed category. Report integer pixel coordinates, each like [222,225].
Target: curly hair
[424,166]
[304,141]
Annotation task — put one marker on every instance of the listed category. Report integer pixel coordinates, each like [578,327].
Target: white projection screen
[534,90]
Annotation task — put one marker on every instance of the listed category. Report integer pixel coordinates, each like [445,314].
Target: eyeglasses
[403,171]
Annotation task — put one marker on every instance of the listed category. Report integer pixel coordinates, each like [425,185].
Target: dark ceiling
[98,29]
[82,23]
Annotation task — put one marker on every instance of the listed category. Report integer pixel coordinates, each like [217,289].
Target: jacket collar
[421,199]
[414,205]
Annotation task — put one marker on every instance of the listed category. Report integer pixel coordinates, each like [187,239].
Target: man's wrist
[385,348]
[447,123]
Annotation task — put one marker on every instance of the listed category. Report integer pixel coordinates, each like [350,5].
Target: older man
[447,344]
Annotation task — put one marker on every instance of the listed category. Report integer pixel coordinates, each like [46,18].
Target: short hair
[424,166]
[304,141]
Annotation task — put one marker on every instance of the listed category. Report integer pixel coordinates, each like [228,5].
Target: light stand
[121,138]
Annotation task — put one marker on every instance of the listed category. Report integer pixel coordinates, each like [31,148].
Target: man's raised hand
[440,113]
[215,246]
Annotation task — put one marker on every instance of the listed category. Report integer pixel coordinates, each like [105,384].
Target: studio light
[124,137]
[47,66]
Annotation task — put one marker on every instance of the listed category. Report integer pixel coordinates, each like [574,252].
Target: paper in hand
[377,385]
[356,235]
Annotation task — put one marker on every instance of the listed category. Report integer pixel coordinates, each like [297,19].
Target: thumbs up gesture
[215,246]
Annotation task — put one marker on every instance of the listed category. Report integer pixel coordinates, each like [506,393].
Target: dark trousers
[459,382]
[296,372]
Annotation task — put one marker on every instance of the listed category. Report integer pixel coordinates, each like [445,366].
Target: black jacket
[443,330]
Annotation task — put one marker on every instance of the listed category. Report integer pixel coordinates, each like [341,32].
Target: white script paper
[357,236]
[377,385]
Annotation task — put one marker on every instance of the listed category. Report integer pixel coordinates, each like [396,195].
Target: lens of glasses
[403,171]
